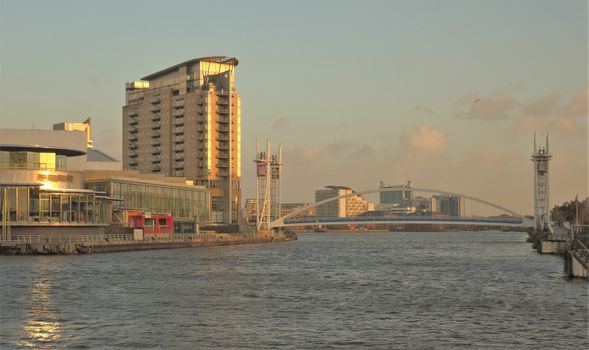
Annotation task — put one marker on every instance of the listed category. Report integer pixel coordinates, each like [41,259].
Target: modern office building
[42,185]
[149,194]
[397,196]
[448,205]
[185,121]
[353,205]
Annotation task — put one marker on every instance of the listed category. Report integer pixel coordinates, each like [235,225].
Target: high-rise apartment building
[185,121]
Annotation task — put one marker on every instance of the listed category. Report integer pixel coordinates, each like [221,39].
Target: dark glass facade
[179,201]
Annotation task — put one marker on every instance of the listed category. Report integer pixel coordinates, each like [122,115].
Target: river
[326,290]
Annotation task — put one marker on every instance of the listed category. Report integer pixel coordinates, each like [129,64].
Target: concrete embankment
[107,245]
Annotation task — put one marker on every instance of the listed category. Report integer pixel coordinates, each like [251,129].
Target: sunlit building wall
[41,185]
[185,121]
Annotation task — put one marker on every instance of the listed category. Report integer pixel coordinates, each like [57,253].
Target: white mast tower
[541,157]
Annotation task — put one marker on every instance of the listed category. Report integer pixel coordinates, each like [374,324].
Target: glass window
[60,162]
[18,159]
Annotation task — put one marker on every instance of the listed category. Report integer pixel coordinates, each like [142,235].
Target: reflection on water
[41,327]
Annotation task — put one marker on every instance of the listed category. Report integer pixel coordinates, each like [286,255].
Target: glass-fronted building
[41,186]
[152,194]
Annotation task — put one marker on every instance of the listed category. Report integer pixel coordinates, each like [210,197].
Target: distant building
[287,208]
[448,205]
[352,205]
[397,196]
[422,204]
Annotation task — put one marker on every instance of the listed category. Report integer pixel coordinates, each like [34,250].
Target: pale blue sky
[364,90]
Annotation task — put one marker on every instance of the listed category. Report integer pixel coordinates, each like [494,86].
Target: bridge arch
[281,221]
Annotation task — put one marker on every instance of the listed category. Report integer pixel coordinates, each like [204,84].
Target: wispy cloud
[422,109]
[281,123]
[546,113]
[483,107]
[425,140]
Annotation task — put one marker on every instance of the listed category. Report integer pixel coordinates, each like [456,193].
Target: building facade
[185,121]
[353,205]
[152,194]
[448,205]
[399,196]
[42,186]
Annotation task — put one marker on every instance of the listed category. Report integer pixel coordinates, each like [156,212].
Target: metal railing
[581,252]
[115,238]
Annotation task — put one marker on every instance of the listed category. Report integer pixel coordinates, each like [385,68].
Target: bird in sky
[477,100]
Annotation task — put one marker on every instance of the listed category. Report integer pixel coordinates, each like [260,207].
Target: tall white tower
[541,157]
[268,178]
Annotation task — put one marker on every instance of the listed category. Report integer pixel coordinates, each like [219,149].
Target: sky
[447,94]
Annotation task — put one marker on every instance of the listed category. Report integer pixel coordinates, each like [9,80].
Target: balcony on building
[156,133]
[156,108]
[223,119]
[156,117]
[178,112]
[222,154]
[222,110]
[179,121]
[222,102]
[156,150]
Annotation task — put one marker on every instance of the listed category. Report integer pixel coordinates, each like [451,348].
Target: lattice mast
[275,180]
[263,205]
[541,157]
[268,177]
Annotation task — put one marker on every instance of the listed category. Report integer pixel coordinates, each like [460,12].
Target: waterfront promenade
[51,245]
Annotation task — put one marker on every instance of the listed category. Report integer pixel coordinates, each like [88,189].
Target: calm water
[368,290]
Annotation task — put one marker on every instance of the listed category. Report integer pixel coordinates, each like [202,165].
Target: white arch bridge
[514,219]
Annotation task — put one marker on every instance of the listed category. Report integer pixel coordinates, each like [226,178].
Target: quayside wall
[107,244]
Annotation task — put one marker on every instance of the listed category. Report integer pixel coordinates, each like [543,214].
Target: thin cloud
[423,109]
[281,123]
[483,108]
[544,106]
